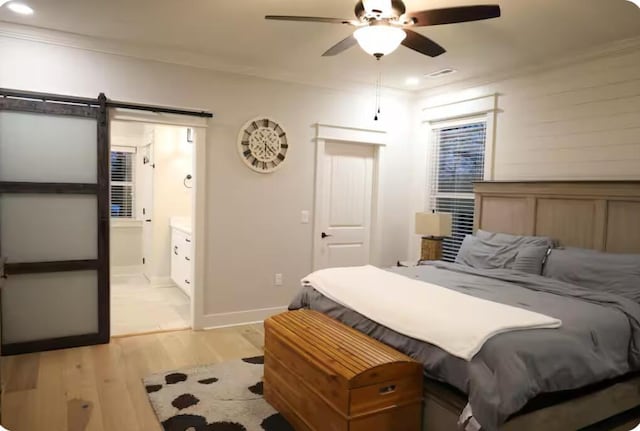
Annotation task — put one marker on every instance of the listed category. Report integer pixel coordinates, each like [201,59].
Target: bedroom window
[457,161]
[122,182]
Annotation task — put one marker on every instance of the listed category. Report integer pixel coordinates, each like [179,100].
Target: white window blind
[457,161]
[122,182]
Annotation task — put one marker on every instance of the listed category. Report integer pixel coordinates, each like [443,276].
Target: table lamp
[433,227]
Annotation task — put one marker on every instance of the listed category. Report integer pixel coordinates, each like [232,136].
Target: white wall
[173,160]
[253,220]
[579,120]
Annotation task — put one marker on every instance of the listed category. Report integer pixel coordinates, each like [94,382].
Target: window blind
[122,182]
[457,161]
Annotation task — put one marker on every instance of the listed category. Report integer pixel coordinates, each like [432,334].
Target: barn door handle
[325,235]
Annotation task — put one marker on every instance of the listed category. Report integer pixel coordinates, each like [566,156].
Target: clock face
[262,145]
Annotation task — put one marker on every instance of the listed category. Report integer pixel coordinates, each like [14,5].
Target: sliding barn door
[54,222]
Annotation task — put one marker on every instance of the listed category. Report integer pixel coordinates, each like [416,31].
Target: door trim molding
[327,132]
[350,135]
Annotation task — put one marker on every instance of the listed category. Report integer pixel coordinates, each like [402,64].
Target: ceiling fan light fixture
[379,40]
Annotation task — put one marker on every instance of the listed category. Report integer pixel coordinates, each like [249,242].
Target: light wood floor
[99,388]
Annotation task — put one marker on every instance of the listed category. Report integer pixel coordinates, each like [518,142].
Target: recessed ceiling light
[635,2]
[440,73]
[20,8]
[412,81]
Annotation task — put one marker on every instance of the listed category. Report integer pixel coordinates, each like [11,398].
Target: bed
[591,215]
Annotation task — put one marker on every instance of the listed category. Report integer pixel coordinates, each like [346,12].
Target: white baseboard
[236,318]
[126,270]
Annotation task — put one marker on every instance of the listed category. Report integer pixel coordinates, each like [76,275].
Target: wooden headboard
[600,215]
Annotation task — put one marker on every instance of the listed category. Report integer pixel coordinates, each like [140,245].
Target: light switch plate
[304,216]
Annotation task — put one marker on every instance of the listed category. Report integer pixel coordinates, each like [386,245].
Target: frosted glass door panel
[41,306]
[47,148]
[42,227]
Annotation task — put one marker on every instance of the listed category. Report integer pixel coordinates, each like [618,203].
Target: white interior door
[344,216]
[145,202]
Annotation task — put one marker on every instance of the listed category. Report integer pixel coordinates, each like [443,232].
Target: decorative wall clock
[262,144]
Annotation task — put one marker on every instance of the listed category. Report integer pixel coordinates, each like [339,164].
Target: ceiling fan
[382,25]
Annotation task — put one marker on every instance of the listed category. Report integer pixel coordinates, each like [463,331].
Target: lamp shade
[433,224]
[379,40]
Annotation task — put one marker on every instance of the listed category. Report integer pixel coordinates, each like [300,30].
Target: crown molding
[617,48]
[176,57]
[201,61]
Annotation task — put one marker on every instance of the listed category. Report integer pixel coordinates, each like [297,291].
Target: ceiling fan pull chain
[378,95]
[379,88]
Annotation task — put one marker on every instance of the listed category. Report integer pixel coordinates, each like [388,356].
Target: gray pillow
[505,238]
[531,259]
[609,272]
[495,250]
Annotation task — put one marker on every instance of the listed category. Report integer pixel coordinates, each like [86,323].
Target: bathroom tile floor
[138,307]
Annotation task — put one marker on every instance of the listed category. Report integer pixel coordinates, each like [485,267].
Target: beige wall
[126,248]
[253,220]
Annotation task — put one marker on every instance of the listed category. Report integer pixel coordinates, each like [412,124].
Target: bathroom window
[122,182]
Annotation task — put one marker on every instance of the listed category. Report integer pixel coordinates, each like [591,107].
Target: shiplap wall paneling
[581,121]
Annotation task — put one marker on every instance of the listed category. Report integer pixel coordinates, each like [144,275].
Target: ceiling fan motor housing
[397,10]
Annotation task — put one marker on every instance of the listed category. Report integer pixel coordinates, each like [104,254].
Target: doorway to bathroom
[151,203]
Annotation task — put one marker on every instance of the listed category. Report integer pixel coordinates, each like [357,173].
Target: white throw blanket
[457,323]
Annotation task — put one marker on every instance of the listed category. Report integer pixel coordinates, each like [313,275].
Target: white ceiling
[234,34]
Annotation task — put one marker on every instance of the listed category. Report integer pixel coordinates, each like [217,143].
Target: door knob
[148,220]
[325,235]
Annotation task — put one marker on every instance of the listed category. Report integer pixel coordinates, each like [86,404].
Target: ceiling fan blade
[422,44]
[453,15]
[312,19]
[341,46]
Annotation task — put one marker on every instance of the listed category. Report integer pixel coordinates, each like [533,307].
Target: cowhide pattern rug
[219,397]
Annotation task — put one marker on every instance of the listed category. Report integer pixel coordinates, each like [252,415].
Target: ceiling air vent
[441,73]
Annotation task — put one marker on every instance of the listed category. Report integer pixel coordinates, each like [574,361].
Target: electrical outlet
[277,279]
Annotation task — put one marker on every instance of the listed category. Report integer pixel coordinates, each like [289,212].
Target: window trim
[439,109]
[132,184]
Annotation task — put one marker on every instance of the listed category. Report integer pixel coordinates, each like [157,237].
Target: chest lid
[352,358]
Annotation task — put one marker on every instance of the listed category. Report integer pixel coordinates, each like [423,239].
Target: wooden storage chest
[325,376]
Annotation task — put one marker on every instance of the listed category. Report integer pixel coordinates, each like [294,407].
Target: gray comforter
[599,338]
